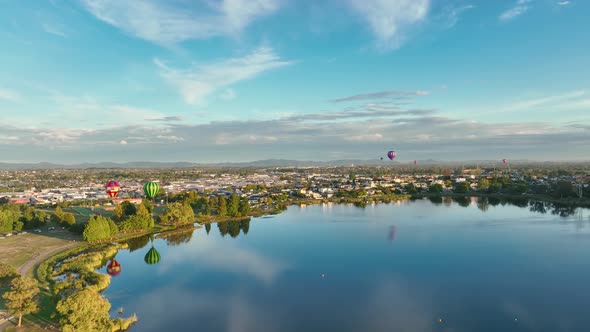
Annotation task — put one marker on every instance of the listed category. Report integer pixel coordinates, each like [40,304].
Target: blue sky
[240,80]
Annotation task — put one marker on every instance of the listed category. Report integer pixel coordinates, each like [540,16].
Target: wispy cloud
[171,118]
[381,94]
[390,19]
[10,95]
[568,98]
[197,83]
[453,14]
[428,136]
[564,3]
[166,22]
[521,7]
[53,29]
[357,114]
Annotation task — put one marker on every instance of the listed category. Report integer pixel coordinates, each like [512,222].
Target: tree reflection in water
[233,228]
[483,204]
[137,243]
[179,238]
[462,201]
[436,200]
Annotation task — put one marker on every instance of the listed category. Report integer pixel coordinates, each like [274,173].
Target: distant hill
[265,163]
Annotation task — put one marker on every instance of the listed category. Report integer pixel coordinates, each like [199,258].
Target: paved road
[28,265]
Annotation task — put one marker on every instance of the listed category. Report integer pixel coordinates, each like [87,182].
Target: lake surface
[463,265]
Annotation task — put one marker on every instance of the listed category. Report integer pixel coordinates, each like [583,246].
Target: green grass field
[82,214]
[17,249]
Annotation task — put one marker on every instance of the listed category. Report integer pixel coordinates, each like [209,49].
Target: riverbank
[573,202]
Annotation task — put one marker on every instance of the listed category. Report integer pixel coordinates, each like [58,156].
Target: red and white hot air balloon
[112,188]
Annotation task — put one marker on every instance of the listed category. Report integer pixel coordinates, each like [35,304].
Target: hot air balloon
[381,158]
[504,161]
[415,162]
[391,155]
[112,189]
[114,268]
[152,256]
[151,189]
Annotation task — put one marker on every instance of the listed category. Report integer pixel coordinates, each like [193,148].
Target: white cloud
[388,19]
[564,3]
[197,83]
[10,95]
[520,8]
[123,142]
[366,138]
[53,29]
[161,22]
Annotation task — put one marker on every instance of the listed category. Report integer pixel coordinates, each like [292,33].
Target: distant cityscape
[312,182]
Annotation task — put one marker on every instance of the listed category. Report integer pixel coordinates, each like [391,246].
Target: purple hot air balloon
[391,155]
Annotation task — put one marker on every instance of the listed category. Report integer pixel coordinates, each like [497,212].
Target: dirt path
[5,323]
[26,268]
[28,265]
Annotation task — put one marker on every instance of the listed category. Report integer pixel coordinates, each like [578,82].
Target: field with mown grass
[17,249]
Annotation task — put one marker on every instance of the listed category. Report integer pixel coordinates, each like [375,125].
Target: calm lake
[450,265]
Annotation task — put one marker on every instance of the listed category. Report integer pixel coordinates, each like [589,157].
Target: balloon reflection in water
[152,256]
[392,231]
[114,268]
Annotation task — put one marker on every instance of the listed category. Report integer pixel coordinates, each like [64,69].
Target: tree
[21,298]
[124,210]
[436,188]
[222,206]
[8,219]
[462,187]
[99,228]
[85,310]
[7,273]
[563,189]
[410,188]
[68,219]
[113,229]
[57,216]
[483,184]
[244,207]
[178,213]
[148,205]
[233,206]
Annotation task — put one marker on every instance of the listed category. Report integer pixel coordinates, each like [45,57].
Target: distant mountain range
[260,163]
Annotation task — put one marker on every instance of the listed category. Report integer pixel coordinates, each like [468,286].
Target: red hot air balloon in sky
[112,189]
[504,161]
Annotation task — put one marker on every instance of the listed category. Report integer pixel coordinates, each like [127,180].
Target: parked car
[50,228]
[37,230]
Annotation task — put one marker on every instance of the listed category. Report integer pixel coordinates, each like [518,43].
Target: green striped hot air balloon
[151,189]
[152,256]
